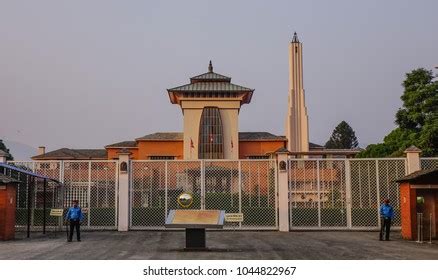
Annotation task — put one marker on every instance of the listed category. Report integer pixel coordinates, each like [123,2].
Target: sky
[85,74]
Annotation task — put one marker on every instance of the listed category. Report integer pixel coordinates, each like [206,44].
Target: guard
[75,217]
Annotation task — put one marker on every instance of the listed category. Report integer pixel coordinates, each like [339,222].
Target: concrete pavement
[224,245]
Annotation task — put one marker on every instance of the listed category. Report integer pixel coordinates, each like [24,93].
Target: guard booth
[8,188]
[419,205]
[38,193]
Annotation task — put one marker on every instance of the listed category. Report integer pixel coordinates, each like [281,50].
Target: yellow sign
[196,217]
[56,212]
[234,217]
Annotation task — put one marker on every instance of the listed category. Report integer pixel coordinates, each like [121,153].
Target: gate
[342,193]
[247,187]
[93,183]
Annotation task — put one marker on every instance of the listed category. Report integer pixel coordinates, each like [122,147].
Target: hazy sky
[84,74]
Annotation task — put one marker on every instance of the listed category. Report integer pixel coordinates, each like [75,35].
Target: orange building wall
[160,148]
[253,148]
[112,153]
[145,149]
[408,200]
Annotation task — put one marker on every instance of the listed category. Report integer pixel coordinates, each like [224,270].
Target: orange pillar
[408,211]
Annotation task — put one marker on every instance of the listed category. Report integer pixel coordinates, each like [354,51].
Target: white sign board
[234,217]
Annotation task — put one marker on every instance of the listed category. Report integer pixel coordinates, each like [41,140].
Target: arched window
[211,137]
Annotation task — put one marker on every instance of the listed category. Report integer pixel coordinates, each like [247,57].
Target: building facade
[210,105]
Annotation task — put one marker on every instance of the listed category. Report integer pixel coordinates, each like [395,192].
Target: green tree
[3,148]
[343,137]
[417,120]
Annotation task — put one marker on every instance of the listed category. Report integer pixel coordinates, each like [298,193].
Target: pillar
[413,159]
[283,191]
[123,203]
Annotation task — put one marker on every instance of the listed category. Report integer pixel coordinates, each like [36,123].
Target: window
[161,157]
[211,139]
[258,157]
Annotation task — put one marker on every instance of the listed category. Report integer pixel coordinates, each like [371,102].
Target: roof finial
[295,38]
[210,67]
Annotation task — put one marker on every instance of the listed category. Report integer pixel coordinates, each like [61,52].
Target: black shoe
[69,240]
[79,240]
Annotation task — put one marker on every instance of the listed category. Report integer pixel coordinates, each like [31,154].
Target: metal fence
[342,193]
[323,193]
[429,163]
[35,195]
[247,187]
[93,183]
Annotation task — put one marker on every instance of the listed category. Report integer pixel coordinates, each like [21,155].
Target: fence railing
[429,163]
[247,187]
[342,193]
[93,183]
[323,193]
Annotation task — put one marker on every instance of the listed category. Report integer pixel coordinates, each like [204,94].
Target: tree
[343,137]
[417,120]
[3,148]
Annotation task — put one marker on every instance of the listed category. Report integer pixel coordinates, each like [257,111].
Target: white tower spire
[297,128]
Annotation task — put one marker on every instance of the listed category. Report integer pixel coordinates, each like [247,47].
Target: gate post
[283,190]
[348,199]
[413,159]
[124,171]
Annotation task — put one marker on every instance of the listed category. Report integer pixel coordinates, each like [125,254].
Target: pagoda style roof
[210,85]
[210,77]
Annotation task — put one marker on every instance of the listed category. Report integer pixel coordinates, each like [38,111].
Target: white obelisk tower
[297,128]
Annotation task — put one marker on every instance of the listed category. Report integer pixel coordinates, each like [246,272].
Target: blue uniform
[75,214]
[386,211]
[75,217]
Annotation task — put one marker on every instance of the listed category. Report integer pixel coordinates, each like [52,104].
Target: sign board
[195,218]
[56,212]
[234,217]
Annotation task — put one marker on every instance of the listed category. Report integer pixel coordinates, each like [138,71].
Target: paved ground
[223,244]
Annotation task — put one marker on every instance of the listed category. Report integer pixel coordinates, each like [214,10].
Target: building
[210,105]
[419,205]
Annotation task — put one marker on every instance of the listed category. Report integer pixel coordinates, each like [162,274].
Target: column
[283,191]
[123,207]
